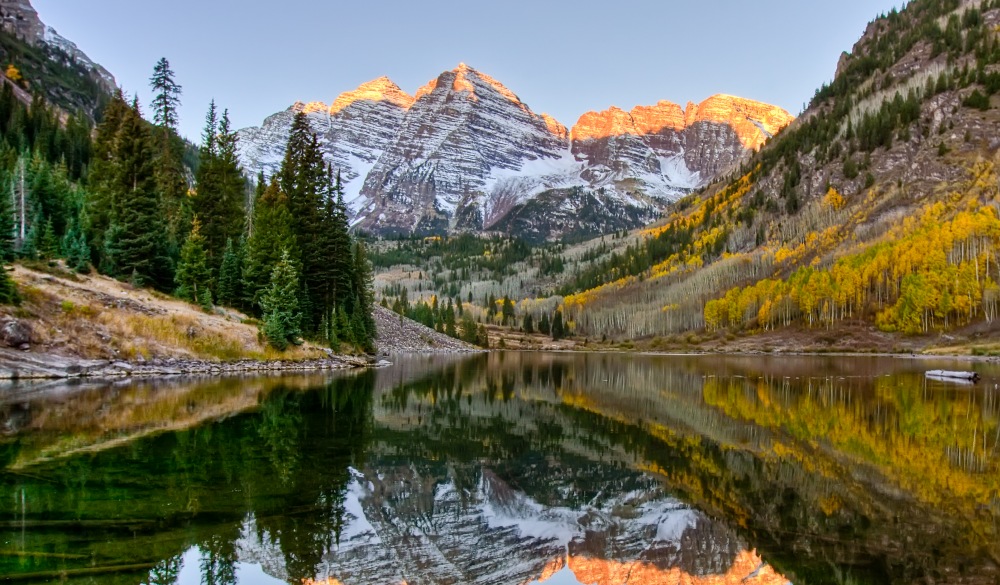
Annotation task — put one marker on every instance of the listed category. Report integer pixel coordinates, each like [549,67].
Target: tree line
[124,202]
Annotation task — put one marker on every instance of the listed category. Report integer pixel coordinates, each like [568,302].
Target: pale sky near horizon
[559,56]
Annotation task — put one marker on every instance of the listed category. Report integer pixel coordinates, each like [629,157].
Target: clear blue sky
[563,57]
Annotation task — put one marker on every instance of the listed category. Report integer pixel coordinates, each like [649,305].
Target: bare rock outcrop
[397,334]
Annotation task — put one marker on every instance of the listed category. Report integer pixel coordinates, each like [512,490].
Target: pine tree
[344,330]
[280,304]
[166,95]
[543,324]
[365,297]
[49,244]
[76,250]
[527,324]
[8,289]
[558,332]
[101,209]
[32,241]
[221,187]
[304,178]
[140,249]
[272,233]
[467,330]
[193,276]
[170,176]
[7,222]
[449,320]
[335,275]
[230,274]
[507,310]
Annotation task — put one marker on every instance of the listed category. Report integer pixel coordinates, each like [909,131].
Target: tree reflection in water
[512,468]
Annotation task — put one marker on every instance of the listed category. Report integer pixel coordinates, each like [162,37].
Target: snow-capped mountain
[355,130]
[465,153]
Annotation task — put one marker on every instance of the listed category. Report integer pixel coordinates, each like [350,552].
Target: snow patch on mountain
[54,39]
[465,151]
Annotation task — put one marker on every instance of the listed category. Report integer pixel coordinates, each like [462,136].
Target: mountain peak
[381,89]
[753,121]
[470,80]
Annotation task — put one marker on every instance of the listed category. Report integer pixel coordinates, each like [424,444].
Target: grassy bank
[95,317]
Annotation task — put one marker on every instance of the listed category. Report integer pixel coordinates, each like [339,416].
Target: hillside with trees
[121,199]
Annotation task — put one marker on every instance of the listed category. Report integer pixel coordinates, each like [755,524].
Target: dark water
[510,468]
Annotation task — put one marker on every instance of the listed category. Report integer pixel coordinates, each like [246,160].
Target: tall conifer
[273,233]
[220,186]
[140,246]
[170,176]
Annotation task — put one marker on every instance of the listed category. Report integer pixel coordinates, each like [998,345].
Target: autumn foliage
[929,273]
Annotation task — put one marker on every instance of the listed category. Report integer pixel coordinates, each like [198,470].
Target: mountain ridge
[464,150]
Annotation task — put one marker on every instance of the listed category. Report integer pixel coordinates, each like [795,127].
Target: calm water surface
[510,468]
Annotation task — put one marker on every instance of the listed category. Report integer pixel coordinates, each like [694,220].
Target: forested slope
[879,204]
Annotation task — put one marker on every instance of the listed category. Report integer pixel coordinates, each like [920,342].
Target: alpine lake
[510,468]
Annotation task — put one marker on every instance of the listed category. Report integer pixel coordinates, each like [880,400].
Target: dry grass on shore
[95,317]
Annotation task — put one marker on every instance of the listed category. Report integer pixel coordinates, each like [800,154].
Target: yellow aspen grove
[930,273]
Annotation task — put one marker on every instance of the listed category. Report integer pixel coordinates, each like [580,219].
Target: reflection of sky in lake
[247,573]
[544,468]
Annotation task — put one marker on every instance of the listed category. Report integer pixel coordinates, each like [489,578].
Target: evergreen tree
[32,241]
[7,222]
[365,298]
[272,234]
[166,95]
[467,330]
[507,311]
[280,304]
[101,209]
[334,276]
[344,330]
[230,274]
[140,249]
[304,178]
[49,244]
[76,250]
[193,276]
[527,324]
[170,176]
[543,324]
[221,187]
[8,289]
[449,320]
[558,332]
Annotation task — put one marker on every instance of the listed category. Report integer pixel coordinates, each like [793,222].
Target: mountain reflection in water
[510,468]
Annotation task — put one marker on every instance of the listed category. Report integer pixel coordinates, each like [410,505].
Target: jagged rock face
[20,19]
[464,129]
[666,146]
[465,153]
[354,131]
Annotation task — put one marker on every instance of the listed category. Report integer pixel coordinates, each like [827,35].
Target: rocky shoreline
[18,365]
